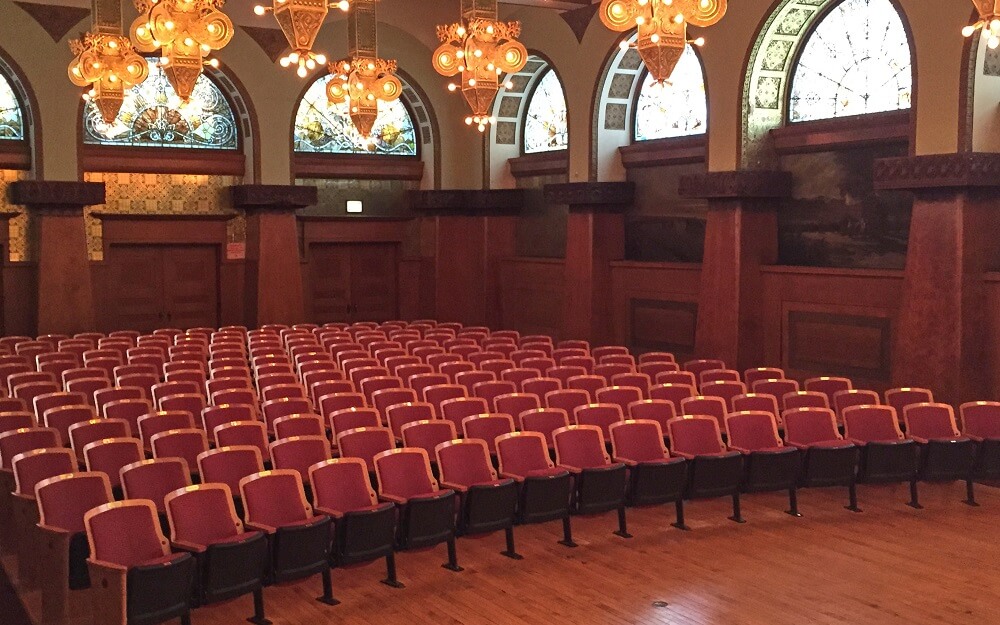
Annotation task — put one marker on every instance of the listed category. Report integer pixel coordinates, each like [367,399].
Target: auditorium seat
[30,468]
[154,480]
[162,421]
[365,443]
[805,399]
[230,561]
[540,386]
[110,455]
[86,432]
[563,373]
[601,416]
[298,540]
[828,385]
[674,393]
[981,423]
[945,455]
[713,471]
[654,477]
[757,374]
[437,394]
[15,420]
[486,504]
[62,418]
[214,416]
[853,397]
[487,428]
[276,408]
[298,453]
[778,388]
[363,529]
[598,484]
[299,425]
[457,409]
[886,456]
[153,584]
[399,415]
[426,513]
[516,403]
[620,396]
[768,464]
[758,402]
[900,398]
[229,465]
[827,459]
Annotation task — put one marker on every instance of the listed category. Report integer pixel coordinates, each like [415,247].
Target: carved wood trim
[938,171]
[357,167]
[671,151]
[162,160]
[592,196]
[829,134]
[742,184]
[540,164]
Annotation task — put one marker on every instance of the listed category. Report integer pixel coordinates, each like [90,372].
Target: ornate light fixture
[105,61]
[480,48]
[300,21]
[989,22]
[662,27]
[362,78]
[184,31]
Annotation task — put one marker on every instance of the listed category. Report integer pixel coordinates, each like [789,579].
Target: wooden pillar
[65,294]
[741,235]
[273,279]
[942,330]
[473,231]
[595,236]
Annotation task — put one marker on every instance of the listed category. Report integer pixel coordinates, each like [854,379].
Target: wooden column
[595,236]
[941,338]
[273,271]
[741,235]
[473,231]
[65,294]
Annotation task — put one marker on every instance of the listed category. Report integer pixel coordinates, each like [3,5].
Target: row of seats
[341,391]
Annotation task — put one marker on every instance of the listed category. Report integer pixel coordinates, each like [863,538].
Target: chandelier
[662,27]
[300,21]
[989,22]
[105,61]
[480,48]
[184,31]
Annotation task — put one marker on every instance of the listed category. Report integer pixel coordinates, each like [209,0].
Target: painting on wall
[662,226]
[835,218]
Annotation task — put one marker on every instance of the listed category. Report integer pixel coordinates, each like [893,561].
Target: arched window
[327,128]
[855,61]
[153,115]
[545,126]
[676,108]
[11,118]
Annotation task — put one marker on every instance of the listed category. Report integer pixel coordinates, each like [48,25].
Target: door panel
[373,282]
[330,282]
[153,286]
[136,288]
[191,285]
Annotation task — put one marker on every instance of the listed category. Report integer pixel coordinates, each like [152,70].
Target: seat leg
[914,498]
[186,618]
[852,495]
[258,617]
[452,564]
[737,514]
[327,597]
[793,502]
[622,524]
[679,510]
[510,551]
[390,572]
[970,493]
[567,533]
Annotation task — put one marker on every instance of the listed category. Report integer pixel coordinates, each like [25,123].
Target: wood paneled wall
[531,295]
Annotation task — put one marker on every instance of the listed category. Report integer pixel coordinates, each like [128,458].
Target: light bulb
[311,64]
[301,71]
[460,54]
[509,84]
[452,86]
[679,18]
[461,31]
[371,96]
[206,48]
[321,59]
[468,121]
[285,61]
[169,25]
[993,42]
[472,82]
[188,41]
[259,10]
[112,44]
[655,38]
[344,5]
[640,20]
[294,57]
[477,53]
[164,61]
[700,41]
[968,30]
[141,31]
[623,45]
[214,62]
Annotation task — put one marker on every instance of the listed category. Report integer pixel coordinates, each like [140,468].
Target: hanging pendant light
[481,48]
[300,21]
[989,22]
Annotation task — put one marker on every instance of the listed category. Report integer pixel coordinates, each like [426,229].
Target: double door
[155,286]
[353,282]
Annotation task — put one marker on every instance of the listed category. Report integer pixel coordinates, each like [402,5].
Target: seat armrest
[54,530]
[571,469]
[260,527]
[455,487]
[399,501]
[742,450]
[333,514]
[513,476]
[103,564]
[919,440]
[625,461]
[180,545]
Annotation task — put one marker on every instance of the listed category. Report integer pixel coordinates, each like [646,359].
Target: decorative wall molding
[843,132]
[670,151]
[938,171]
[56,195]
[854,346]
[743,184]
[540,164]
[272,197]
[56,20]
[357,166]
[468,201]
[605,196]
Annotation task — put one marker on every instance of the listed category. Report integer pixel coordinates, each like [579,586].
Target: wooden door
[374,290]
[136,288]
[154,286]
[353,282]
[191,285]
[330,282]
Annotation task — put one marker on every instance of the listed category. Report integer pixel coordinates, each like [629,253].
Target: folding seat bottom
[946,460]
[832,465]
[715,475]
[160,590]
[489,507]
[774,469]
[889,461]
[232,568]
[365,535]
[545,497]
[300,550]
[987,465]
[652,483]
[600,489]
[427,520]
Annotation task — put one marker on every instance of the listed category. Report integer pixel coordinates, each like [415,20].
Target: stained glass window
[152,115]
[324,127]
[676,108]
[11,125]
[856,61]
[545,125]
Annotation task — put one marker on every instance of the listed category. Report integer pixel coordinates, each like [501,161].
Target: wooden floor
[891,564]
